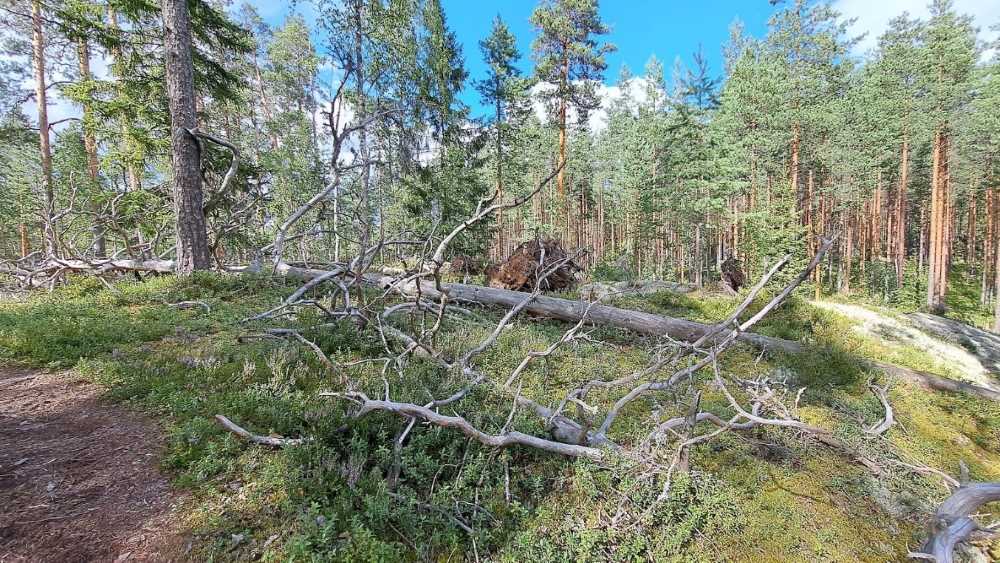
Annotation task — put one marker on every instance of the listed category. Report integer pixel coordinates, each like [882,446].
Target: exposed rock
[904,330]
[984,345]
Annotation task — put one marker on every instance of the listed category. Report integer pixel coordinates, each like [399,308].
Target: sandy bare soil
[78,476]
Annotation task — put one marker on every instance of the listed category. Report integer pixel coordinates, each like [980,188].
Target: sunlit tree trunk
[563,203]
[499,243]
[970,231]
[880,221]
[996,286]
[845,286]
[990,235]
[22,231]
[900,235]
[38,62]
[938,221]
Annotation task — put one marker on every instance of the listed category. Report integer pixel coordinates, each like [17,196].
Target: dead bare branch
[506,439]
[276,441]
[953,523]
[888,420]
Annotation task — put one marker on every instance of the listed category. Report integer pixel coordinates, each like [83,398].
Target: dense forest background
[797,139]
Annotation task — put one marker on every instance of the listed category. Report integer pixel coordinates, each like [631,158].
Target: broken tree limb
[495,440]
[888,420]
[953,523]
[215,200]
[191,305]
[276,441]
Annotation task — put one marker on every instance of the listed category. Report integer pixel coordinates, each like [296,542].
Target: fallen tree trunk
[601,291]
[636,321]
[558,308]
[645,323]
[89,266]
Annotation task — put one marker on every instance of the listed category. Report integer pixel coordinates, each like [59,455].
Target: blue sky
[639,28]
[666,28]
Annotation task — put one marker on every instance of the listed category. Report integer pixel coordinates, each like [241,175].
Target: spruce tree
[505,91]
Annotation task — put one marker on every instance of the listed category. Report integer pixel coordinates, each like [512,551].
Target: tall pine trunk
[563,202]
[990,235]
[996,287]
[38,62]
[90,147]
[499,252]
[938,223]
[970,232]
[899,244]
[22,231]
[192,238]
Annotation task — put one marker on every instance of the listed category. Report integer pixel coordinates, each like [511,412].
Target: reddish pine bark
[900,235]
[38,62]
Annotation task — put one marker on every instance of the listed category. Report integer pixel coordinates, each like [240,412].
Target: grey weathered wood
[646,323]
[952,521]
[563,309]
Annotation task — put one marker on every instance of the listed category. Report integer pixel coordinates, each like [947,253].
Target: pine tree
[894,82]
[192,237]
[41,101]
[569,60]
[950,56]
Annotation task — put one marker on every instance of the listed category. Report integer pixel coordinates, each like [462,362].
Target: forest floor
[79,479]
[766,495]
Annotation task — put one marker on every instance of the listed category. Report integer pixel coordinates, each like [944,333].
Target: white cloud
[636,90]
[873,16]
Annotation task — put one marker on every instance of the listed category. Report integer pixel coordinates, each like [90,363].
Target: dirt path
[78,476]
